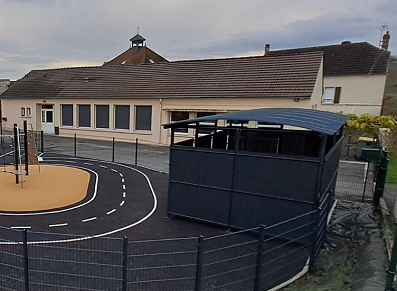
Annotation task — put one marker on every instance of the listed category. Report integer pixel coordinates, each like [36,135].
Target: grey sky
[40,34]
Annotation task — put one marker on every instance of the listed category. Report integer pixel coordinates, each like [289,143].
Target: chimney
[346,42]
[385,42]
[267,48]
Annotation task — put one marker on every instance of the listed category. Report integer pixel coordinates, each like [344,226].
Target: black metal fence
[254,259]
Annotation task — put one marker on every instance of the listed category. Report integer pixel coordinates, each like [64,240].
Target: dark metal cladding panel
[252,210]
[199,202]
[201,167]
[286,178]
[331,165]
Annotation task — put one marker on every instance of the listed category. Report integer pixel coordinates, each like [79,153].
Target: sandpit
[54,187]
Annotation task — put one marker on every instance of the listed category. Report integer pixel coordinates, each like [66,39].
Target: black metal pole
[113,149]
[125,264]
[348,147]
[25,143]
[75,144]
[365,182]
[1,133]
[16,152]
[199,267]
[42,141]
[136,151]
[259,260]
[25,259]
[392,265]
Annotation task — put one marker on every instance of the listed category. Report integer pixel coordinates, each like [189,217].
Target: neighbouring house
[4,85]
[130,102]
[354,75]
[137,54]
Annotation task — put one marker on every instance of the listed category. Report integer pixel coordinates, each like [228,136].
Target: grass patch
[392,169]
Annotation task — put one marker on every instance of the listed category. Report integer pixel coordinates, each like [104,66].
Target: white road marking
[9,153]
[122,180]
[57,225]
[122,203]
[104,233]
[121,175]
[123,194]
[123,187]
[21,227]
[89,164]
[114,170]
[102,166]
[111,211]
[89,219]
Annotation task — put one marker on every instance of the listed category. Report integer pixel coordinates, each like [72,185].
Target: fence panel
[286,250]
[73,264]
[229,261]
[11,260]
[162,265]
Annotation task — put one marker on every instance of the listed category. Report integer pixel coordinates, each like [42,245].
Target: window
[23,111]
[143,118]
[67,115]
[122,117]
[102,116]
[84,115]
[178,116]
[28,111]
[331,95]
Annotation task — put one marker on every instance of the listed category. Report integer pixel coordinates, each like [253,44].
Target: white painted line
[123,187]
[89,219]
[122,180]
[57,225]
[102,166]
[89,164]
[111,211]
[121,175]
[122,203]
[66,209]
[123,194]
[114,170]
[71,162]
[21,227]
[9,153]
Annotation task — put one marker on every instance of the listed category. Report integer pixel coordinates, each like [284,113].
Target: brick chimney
[267,48]
[385,41]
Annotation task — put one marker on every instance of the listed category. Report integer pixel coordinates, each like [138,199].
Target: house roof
[289,76]
[347,58]
[316,120]
[136,56]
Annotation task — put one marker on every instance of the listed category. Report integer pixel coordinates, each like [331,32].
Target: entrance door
[47,119]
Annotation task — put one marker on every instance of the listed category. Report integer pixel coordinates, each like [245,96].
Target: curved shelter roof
[315,120]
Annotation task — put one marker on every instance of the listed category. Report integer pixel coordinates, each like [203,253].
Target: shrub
[369,123]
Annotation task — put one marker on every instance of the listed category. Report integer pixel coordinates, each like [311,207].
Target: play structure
[24,152]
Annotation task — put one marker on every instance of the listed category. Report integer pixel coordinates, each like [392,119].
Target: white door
[47,120]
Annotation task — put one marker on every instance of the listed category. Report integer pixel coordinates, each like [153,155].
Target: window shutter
[337,95]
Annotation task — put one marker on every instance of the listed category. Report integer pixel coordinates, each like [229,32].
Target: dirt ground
[53,187]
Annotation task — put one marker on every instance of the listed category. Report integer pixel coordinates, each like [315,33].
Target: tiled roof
[136,56]
[346,59]
[289,76]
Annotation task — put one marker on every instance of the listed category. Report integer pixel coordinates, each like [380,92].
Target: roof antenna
[382,29]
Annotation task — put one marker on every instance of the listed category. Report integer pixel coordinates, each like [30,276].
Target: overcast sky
[41,34]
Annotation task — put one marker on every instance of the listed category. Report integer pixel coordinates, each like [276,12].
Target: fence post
[42,141]
[365,182]
[348,147]
[136,151]
[1,133]
[113,149]
[199,267]
[75,145]
[125,264]
[313,250]
[25,259]
[381,179]
[391,272]
[259,261]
